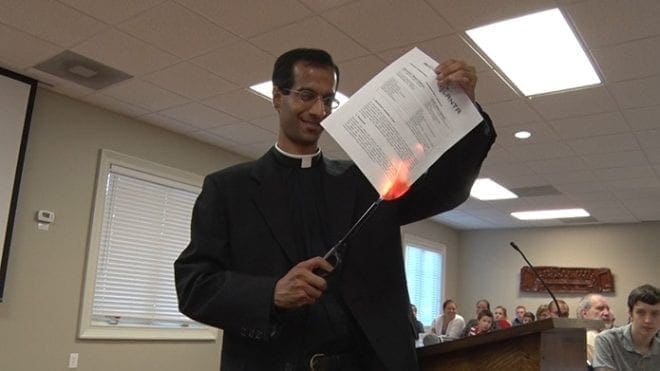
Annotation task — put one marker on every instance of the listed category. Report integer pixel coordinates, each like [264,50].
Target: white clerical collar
[305,160]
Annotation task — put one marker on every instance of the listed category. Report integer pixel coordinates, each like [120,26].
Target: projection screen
[17,94]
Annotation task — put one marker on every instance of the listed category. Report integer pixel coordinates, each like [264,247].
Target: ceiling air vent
[588,219]
[81,70]
[546,190]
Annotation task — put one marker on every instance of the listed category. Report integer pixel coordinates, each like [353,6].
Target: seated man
[635,346]
[593,306]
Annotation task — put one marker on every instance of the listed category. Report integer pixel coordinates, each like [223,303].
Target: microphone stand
[554,299]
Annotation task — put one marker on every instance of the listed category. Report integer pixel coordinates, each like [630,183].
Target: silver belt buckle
[314,360]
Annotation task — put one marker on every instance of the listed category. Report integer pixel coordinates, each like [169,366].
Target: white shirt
[454,328]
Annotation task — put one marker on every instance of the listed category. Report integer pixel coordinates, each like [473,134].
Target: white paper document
[401,122]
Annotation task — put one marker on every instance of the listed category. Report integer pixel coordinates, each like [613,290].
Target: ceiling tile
[190,81]
[637,93]
[649,138]
[608,22]
[357,72]
[631,172]
[466,14]
[604,144]
[244,133]
[541,151]
[168,123]
[632,60]
[557,165]
[242,104]
[124,52]
[317,33]
[241,63]
[643,118]
[319,6]
[492,89]
[246,18]
[113,104]
[590,125]
[270,123]
[177,30]
[509,113]
[49,20]
[653,155]
[113,11]
[406,22]
[199,116]
[579,176]
[23,50]
[574,103]
[616,159]
[144,94]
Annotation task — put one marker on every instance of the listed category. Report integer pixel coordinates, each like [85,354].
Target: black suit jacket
[241,245]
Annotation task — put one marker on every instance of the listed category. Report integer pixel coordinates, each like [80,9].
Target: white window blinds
[146,224]
[424,275]
[140,225]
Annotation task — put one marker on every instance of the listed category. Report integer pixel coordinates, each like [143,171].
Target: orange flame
[397,187]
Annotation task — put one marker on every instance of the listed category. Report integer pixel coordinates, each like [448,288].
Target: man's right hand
[300,286]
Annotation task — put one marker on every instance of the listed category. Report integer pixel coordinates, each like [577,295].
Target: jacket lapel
[271,198]
[340,194]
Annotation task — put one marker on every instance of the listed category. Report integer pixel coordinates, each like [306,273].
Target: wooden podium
[550,344]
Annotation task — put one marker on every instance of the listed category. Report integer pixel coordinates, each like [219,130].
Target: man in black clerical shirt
[253,266]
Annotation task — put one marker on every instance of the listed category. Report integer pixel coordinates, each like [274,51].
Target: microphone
[554,299]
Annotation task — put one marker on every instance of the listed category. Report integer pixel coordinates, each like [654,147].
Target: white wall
[490,267]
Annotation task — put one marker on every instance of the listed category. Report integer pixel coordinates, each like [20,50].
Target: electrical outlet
[73,360]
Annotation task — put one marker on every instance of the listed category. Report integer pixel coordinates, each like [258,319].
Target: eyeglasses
[310,96]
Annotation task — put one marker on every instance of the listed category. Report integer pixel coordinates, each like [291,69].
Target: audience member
[520,312]
[501,318]
[528,317]
[484,323]
[563,309]
[448,325]
[609,323]
[635,346]
[482,304]
[595,307]
[542,312]
[419,326]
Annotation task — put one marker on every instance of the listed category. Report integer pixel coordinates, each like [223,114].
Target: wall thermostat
[45,216]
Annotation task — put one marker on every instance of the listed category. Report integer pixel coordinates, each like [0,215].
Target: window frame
[90,330]
[440,248]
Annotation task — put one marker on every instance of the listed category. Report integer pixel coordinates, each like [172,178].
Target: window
[425,275]
[140,224]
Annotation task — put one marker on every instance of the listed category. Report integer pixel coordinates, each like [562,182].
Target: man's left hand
[458,72]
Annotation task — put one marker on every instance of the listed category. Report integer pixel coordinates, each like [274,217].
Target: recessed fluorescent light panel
[486,189]
[265,89]
[551,214]
[539,53]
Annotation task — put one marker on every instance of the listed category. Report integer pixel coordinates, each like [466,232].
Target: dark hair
[529,315]
[283,70]
[444,305]
[648,294]
[485,313]
[485,301]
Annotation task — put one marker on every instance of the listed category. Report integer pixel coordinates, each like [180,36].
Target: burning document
[400,123]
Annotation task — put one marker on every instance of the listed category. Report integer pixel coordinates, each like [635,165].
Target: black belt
[334,362]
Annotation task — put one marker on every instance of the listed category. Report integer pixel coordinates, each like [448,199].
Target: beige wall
[490,267]
[39,315]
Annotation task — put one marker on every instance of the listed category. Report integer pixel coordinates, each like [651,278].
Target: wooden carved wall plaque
[567,280]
